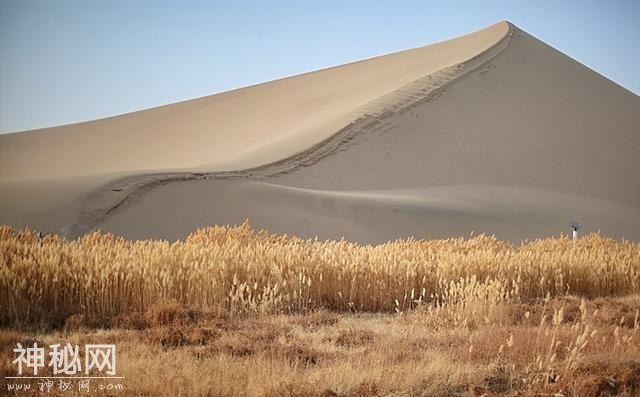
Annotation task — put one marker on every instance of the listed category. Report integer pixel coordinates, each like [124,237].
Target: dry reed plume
[234,270]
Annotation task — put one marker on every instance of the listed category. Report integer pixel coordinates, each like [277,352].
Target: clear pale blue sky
[69,61]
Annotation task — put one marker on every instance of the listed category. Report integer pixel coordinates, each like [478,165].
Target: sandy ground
[494,132]
[377,216]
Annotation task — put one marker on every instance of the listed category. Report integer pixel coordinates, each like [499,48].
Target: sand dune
[493,132]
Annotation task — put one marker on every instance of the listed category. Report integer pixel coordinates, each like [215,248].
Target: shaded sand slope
[503,135]
[531,117]
[46,175]
[520,146]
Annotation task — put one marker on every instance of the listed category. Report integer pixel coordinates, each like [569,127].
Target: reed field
[235,312]
[234,271]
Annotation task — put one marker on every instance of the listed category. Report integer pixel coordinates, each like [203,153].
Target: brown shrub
[259,332]
[168,336]
[355,337]
[296,352]
[367,389]
[83,322]
[612,311]
[293,389]
[201,335]
[607,379]
[317,319]
[235,346]
[133,320]
[167,312]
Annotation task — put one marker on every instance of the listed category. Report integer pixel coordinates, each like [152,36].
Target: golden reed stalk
[234,270]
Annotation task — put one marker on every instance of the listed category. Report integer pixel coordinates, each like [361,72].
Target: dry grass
[563,347]
[234,271]
[231,312]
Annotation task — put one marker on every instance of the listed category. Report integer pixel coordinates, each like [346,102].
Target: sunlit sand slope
[233,130]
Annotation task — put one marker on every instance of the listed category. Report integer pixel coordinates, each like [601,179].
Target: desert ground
[394,226]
